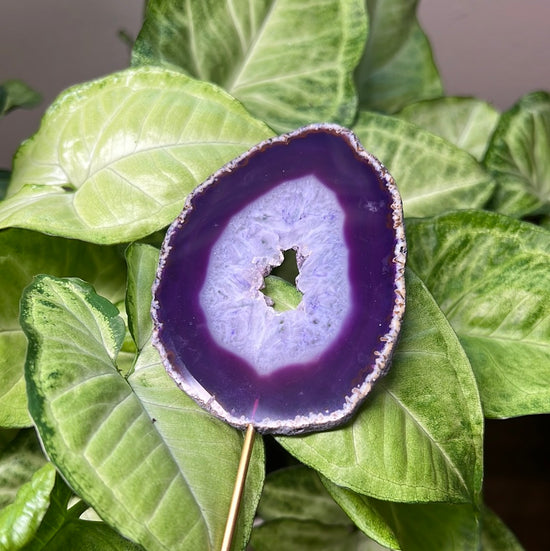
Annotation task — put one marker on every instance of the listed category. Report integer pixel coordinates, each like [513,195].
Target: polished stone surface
[306,391]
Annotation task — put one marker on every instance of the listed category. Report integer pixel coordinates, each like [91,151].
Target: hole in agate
[279,286]
[288,268]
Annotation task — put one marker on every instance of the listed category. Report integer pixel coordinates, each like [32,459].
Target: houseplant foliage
[128,460]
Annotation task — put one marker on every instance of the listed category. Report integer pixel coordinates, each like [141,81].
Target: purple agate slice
[314,190]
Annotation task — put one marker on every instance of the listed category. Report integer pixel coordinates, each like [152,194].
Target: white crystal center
[301,214]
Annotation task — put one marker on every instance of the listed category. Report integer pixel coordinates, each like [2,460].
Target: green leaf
[5,176]
[90,535]
[24,254]
[127,354]
[299,535]
[413,526]
[518,157]
[15,94]
[20,520]
[13,397]
[365,513]
[495,535]
[284,295]
[290,64]
[432,175]
[142,262]
[209,446]
[62,527]
[115,158]
[19,460]
[410,75]
[418,436]
[297,493]
[435,526]
[489,274]
[140,451]
[468,123]
[390,23]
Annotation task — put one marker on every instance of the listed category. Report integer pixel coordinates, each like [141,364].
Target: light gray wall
[52,44]
[497,50]
[494,49]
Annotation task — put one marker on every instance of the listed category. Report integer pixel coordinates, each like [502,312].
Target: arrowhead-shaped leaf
[432,175]
[149,134]
[518,157]
[387,84]
[490,275]
[468,123]
[290,64]
[25,253]
[139,451]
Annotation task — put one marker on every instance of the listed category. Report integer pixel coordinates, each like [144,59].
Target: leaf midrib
[231,82]
[499,338]
[433,441]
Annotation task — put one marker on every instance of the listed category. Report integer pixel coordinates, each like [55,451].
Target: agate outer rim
[314,421]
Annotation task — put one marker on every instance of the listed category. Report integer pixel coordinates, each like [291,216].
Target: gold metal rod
[238,489]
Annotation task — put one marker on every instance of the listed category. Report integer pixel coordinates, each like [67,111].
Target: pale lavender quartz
[315,190]
[303,215]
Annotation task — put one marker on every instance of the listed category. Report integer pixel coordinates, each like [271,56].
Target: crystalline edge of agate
[314,421]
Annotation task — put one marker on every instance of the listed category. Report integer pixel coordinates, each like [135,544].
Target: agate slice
[318,193]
